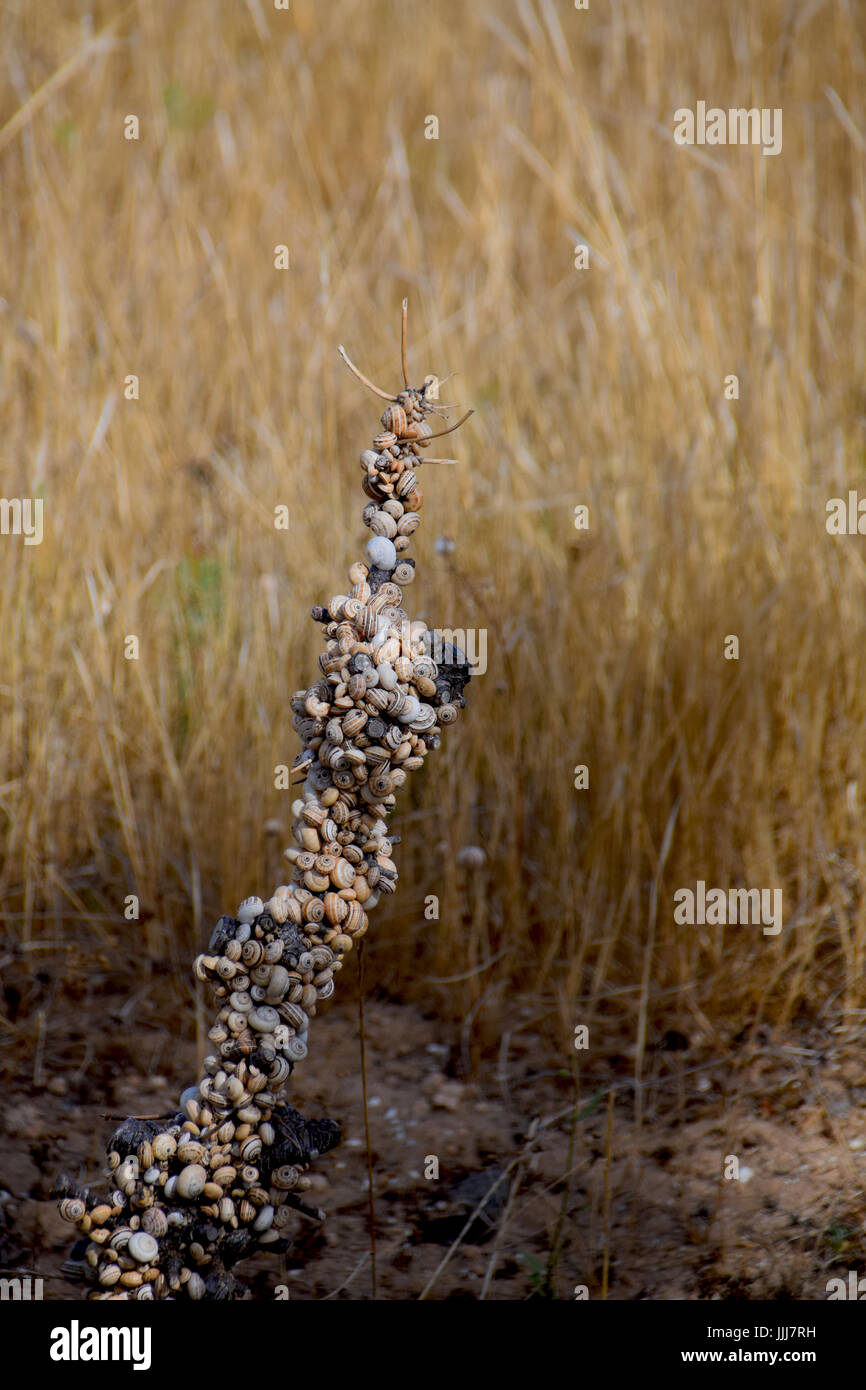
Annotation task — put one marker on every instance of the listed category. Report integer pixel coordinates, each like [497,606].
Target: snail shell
[143,1247]
[424,719]
[367,620]
[274,949]
[394,419]
[285,1178]
[294,1015]
[263,1019]
[234,1088]
[251,1148]
[356,918]
[279,983]
[154,1221]
[251,952]
[335,908]
[446,714]
[265,1219]
[250,909]
[226,1209]
[190,1151]
[277,906]
[381,553]
[296,1049]
[72,1209]
[191,1181]
[128,1170]
[388,677]
[342,874]
[383,524]
[109,1275]
[356,689]
[195,1287]
[404,573]
[406,483]
[318,883]
[408,525]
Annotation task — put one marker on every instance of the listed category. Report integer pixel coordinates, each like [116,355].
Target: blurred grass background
[602,386]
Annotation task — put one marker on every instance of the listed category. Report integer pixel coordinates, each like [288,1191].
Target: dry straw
[193,1193]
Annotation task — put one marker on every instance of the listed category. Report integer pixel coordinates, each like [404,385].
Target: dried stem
[365,379]
[403,344]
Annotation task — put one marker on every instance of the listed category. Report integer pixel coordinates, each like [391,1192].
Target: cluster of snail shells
[215,1172]
[173,1202]
[267,979]
[375,712]
[213,1176]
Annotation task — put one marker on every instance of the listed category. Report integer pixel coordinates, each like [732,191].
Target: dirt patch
[637,1185]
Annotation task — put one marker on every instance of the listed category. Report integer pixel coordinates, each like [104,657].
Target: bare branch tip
[360,375]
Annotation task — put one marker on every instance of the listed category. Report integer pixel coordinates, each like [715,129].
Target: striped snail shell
[72,1209]
[280,1071]
[385,440]
[406,484]
[381,524]
[335,908]
[394,418]
[154,1221]
[294,1016]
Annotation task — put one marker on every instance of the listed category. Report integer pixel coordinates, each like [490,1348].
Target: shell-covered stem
[193,1193]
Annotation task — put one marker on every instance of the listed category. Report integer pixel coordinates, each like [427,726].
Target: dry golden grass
[602,386]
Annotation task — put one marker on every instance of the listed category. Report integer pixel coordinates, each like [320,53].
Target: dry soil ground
[790,1108]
